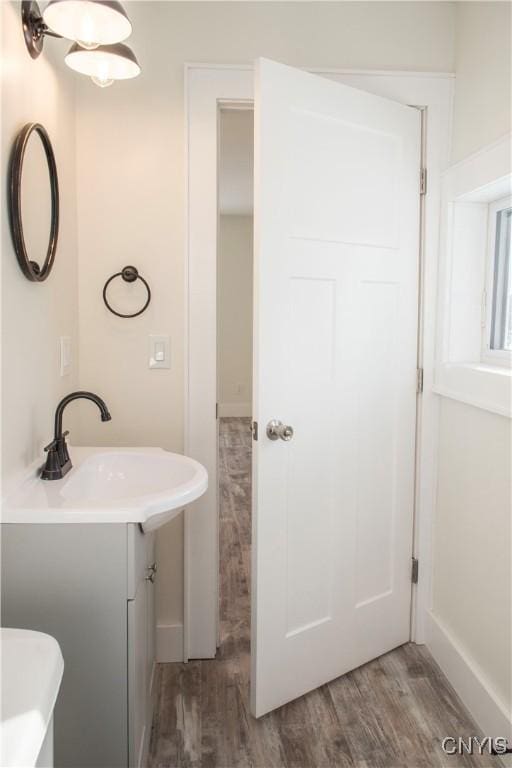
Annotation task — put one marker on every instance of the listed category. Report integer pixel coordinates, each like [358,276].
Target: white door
[336,292]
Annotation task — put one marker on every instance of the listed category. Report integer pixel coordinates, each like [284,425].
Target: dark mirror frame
[31,269]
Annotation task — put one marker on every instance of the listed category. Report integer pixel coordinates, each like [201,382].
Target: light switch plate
[159,351]
[65,355]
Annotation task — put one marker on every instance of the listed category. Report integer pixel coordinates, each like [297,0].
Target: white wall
[472,575]
[234,316]
[236,161]
[131,201]
[472,568]
[34,315]
[483,87]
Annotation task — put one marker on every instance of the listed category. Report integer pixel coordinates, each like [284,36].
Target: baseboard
[169,643]
[234,410]
[474,690]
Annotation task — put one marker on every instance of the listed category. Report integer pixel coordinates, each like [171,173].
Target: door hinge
[423,181]
[254,430]
[216,410]
[419,380]
[483,319]
[415,570]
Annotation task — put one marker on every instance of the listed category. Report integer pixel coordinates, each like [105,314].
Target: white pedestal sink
[149,486]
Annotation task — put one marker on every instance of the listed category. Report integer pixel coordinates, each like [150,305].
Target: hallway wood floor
[390,713]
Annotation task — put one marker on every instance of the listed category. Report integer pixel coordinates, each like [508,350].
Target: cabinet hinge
[423,181]
[254,430]
[415,570]
[419,380]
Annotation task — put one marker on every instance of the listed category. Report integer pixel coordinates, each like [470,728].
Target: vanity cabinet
[92,587]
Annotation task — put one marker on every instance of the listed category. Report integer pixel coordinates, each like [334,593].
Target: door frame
[207,87]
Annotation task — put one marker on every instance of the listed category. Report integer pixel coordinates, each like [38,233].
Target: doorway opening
[234,378]
[308,271]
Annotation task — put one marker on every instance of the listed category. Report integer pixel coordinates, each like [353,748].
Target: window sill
[478,384]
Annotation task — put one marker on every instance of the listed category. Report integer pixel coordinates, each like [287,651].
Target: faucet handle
[62,449]
[55,442]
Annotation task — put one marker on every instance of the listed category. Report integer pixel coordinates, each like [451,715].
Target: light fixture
[89,22]
[105,63]
[96,26]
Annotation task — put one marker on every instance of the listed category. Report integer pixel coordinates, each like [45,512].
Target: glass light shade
[107,62]
[91,22]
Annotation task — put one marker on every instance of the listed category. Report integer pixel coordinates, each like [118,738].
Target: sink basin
[149,486]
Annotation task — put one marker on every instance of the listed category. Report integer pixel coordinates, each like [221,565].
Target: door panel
[361,191]
[336,286]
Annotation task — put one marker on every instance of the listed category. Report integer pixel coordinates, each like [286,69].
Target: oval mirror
[34,202]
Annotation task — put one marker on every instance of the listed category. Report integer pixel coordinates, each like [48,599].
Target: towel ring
[129,275]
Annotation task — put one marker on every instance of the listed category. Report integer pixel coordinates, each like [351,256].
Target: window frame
[501,357]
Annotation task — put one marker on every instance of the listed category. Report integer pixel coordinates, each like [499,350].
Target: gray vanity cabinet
[91,586]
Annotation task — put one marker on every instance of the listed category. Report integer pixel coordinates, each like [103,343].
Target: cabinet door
[69,580]
[151,620]
[137,674]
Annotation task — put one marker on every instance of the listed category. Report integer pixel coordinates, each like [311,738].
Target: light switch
[65,355]
[159,352]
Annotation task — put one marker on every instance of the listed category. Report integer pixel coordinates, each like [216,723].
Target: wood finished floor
[390,713]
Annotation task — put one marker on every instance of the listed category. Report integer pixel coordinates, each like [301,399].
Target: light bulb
[87,45]
[102,77]
[101,82]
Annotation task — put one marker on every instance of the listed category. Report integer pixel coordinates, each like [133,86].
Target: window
[474,345]
[498,295]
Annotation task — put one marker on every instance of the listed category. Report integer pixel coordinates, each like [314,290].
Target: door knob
[276,429]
